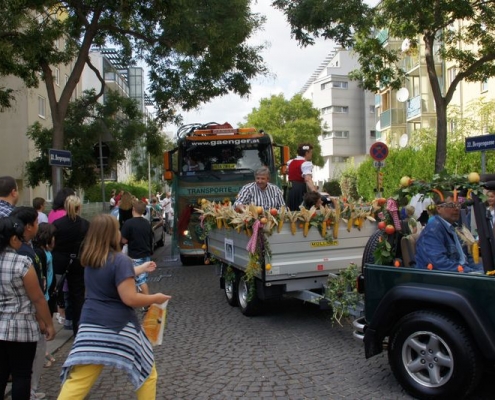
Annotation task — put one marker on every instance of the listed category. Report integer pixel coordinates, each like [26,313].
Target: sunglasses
[450,205]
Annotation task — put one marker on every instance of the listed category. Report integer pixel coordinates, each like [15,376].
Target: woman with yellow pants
[109,332]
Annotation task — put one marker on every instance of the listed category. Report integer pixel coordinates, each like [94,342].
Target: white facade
[347,112]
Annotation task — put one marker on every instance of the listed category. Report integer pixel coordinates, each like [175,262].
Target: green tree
[355,24]
[87,122]
[196,49]
[290,122]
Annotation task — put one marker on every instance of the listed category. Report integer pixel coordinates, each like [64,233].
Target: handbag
[154,323]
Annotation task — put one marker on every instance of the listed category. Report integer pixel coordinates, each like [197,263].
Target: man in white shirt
[166,204]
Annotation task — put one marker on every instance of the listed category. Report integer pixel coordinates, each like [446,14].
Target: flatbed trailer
[289,264]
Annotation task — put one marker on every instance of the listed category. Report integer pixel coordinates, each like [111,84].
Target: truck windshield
[203,157]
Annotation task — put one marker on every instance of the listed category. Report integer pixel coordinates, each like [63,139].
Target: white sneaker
[59,318]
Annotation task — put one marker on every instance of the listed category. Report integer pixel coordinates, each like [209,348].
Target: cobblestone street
[212,351]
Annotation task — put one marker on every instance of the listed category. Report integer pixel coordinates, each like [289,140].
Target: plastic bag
[154,323]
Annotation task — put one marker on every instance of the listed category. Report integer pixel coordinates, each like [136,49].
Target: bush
[332,187]
[136,188]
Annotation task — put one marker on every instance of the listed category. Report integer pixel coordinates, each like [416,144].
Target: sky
[290,66]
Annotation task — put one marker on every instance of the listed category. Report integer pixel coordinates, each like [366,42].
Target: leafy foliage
[88,121]
[290,122]
[332,187]
[342,292]
[437,27]
[196,49]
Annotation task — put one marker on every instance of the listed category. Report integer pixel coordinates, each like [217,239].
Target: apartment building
[402,112]
[30,106]
[347,112]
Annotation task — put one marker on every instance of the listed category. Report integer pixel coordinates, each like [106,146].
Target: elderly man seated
[439,246]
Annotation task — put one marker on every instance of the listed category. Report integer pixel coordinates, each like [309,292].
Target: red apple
[389,229]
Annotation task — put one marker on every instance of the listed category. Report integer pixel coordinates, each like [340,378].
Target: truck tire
[433,356]
[248,306]
[370,247]
[230,290]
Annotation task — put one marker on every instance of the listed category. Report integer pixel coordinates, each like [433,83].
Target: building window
[334,85]
[373,134]
[335,110]
[339,160]
[335,134]
[41,107]
[484,85]
[57,77]
[372,109]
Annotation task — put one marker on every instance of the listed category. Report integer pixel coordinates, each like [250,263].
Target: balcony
[419,105]
[116,82]
[392,117]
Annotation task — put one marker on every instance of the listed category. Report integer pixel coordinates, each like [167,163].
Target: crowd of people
[62,264]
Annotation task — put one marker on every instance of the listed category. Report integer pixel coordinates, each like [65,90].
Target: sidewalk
[52,346]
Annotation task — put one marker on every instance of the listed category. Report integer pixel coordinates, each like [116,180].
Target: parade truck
[268,254]
[437,326]
[213,161]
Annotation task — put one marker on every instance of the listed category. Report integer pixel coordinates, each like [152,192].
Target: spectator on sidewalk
[58,205]
[110,333]
[8,195]
[23,303]
[70,233]
[136,233]
[39,206]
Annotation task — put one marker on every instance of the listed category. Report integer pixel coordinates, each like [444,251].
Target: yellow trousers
[82,378]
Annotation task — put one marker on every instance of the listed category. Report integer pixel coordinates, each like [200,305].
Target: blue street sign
[480,143]
[59,158]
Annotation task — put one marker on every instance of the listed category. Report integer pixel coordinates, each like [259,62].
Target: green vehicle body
[438,327]
[229,162]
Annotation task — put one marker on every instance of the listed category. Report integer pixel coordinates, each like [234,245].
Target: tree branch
[98,75]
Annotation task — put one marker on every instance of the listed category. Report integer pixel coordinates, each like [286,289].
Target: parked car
[157,226]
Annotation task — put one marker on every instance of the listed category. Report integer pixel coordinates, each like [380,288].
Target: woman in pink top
[58,210]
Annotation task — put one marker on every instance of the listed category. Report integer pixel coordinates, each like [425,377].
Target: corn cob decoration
[336,204]
[305,216]
[281,214]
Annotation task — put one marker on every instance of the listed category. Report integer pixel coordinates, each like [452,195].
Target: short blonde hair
[72,205]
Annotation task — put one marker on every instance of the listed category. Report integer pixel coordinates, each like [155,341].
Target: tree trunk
[441,152]
[440,103]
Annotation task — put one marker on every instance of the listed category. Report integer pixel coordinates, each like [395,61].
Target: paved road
[212,351]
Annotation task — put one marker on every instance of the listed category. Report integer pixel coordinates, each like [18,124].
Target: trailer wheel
[370,247]
[230,290]
[248,304]
[433,356]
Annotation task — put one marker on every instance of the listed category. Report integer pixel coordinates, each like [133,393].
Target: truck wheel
[433,356]
[370,247]
[230,289]
[249,305]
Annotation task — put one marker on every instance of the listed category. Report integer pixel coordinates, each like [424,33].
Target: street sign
[379,151]
[378,164]
[480,143]
[59,158]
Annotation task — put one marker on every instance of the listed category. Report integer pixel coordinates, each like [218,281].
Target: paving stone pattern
[212,351]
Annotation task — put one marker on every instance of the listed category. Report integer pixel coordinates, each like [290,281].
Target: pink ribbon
[393,209]
[251,246]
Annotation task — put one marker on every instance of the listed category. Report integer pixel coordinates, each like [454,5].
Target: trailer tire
[434,356]
[230,290]
[370,247]
[248,306]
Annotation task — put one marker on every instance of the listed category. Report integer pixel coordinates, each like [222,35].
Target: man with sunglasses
[439,246]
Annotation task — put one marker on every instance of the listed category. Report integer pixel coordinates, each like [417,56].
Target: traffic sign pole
[379,152]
